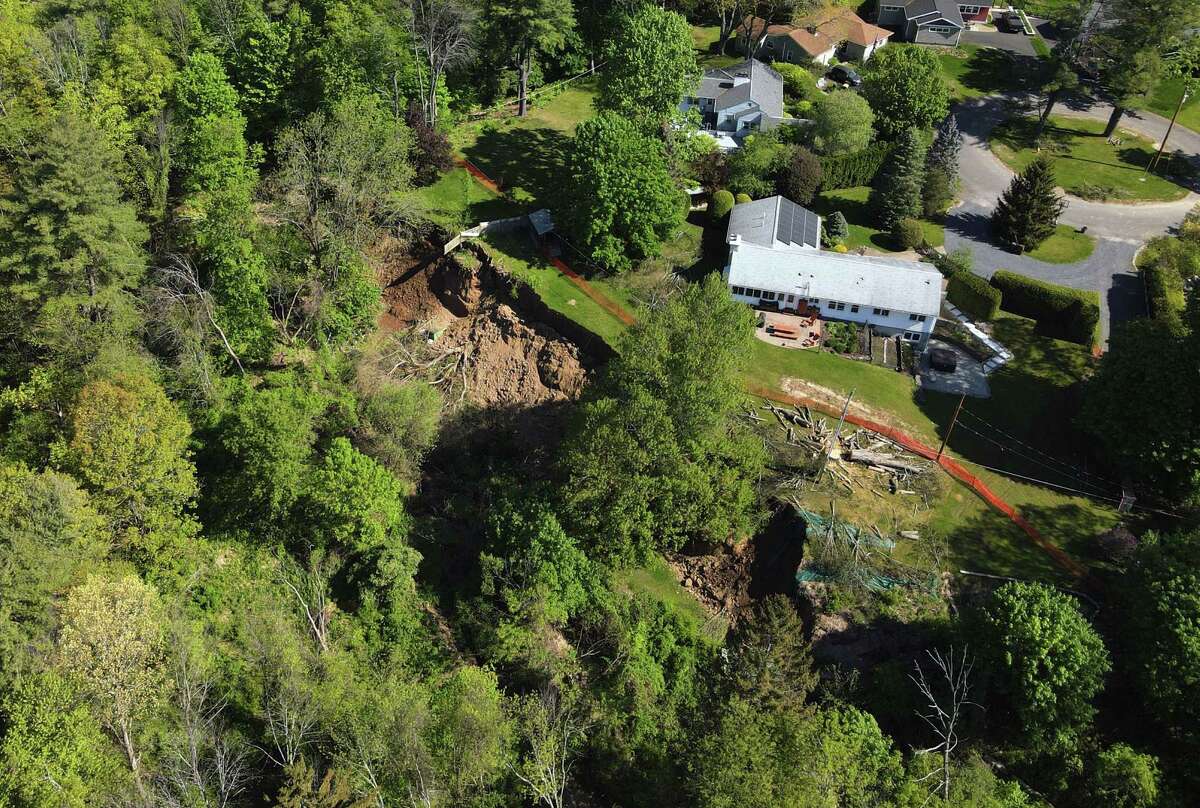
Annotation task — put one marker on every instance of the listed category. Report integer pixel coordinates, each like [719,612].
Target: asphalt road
[1119,228]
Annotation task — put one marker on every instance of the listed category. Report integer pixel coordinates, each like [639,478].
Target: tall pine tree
[1027,213]
[897,195]
[941,167]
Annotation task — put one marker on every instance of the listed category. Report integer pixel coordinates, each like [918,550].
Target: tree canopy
[905,89]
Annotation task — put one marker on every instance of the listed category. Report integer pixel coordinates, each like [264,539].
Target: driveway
[1013,43]
[1119,228]
[967,379]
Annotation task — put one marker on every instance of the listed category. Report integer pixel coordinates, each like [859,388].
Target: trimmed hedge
[1060,312]
[975,296]
[1164,294]
[859,168]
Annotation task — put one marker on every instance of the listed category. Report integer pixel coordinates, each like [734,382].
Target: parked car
[1009,23]
[943,359]
[844,75]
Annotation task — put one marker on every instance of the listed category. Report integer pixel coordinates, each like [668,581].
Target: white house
[738,98]
[775,259]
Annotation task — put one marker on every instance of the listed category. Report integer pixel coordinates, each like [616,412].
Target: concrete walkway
[1120,229]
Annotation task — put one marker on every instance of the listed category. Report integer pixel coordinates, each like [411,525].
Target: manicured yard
[1086,164]
[1048,9]
[1165,99]
[852,202]
[557,290]
[457,201]
[705,37]
[1066,246]
[971,71]
[525,155]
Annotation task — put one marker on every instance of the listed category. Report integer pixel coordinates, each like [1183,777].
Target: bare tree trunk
[523,89]
[1051,100]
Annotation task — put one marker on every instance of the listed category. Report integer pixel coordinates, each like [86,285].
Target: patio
[790,330]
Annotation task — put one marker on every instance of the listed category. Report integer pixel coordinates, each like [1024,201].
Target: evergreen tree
[897,195]
[835,228]
[1027,213]
[941,168]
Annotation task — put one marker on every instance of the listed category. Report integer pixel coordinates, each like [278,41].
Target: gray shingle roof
[750,80]
[947,9]
[766,221]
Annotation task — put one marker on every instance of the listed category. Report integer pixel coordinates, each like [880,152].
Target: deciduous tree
[842,123]
[443,33]
[650,65]
[801,176]
[621,203]
[905,89]
[525,29]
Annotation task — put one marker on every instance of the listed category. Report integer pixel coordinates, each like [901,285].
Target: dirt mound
[464,306]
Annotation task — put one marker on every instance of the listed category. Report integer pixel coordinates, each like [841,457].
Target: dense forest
[243,562]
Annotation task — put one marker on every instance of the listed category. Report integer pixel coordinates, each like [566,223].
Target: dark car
[942,359]
[1009,23]
[844,75]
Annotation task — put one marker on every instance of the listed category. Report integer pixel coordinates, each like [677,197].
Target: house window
[738,290]
[883,312]
[968,11]
[854,309]
[833,305]
[814,301]
[912,336]
[791,298]
[890,8]
[917,318]
[940,29]
[768,295]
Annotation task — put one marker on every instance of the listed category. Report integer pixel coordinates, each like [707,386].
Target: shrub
[841,337]
[954,262]
[798,83]
[800,176]
[834,229]
[859,168]
[1060,312]
[975,296]
[908,234]
[742,199]
[722,203]
[840,248]
[937,193]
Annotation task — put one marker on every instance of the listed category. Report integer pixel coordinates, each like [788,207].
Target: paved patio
[807,329]
[968,377]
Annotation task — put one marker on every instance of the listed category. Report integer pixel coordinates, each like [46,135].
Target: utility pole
[950,429]
[1162,146]
[832,445]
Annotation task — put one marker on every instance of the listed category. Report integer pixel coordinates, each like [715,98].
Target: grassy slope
[1165,100]
[656,579]
[852,202]
[457,200]
[1066,246]
[1082,156]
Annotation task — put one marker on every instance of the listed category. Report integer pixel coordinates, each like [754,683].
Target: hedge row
[975,296]
[1164,293]
[859,168]
[1060,311]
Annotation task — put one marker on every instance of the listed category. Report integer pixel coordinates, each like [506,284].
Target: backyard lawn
[852,202]
[1165,100]
[525,155]
[972,71]
[1086,164]
[1066,246]
[457,201]
[520,258]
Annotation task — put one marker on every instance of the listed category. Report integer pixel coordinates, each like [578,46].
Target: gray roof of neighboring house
[947,9]
[766,221]
[750,80]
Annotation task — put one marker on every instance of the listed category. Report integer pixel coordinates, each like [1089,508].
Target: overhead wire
[1034,460]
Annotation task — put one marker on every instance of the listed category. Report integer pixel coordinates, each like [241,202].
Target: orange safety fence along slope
[954,469]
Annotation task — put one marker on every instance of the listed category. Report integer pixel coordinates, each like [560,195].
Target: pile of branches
[416,355]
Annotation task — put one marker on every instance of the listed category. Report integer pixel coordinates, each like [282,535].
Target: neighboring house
[816,38]
[746,96]
[775,259]
[931,22]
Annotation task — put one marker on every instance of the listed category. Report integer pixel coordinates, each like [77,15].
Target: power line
[1035,449]
[1010,450]
[1065,488]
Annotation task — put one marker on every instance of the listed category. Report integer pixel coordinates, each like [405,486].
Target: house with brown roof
[818,38]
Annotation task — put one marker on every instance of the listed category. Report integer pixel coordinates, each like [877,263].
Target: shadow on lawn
[530,160]
[991,70]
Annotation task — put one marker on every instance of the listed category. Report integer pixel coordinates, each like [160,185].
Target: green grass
[1066,246]
[704,38]
[656,580]
[525,156]
[971,71]
[457,201]
[852,202]
[1049,9]
[1165,100]
[556,289]
[1040,47]
[1084,161]
[1030,400]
